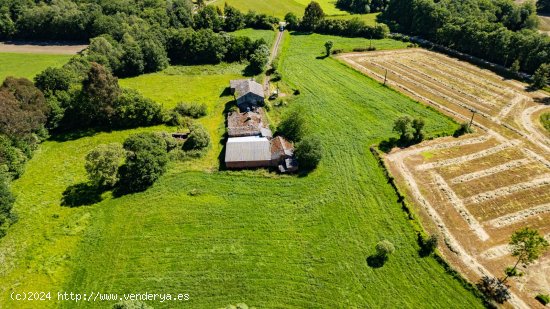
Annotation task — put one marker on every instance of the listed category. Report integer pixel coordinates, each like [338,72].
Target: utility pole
[385,77]
[471,120]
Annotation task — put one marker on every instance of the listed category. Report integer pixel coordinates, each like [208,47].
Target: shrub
[463,129]
[6,199]
[193,110]
[384,248]
[543,299]
[494,289]
[134,110]
[512,272]
[102,164]
[428,245]
[53,79]
[309,153]
[146,161]
[198,139]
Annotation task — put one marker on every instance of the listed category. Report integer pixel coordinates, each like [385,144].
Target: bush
[146,161]
[463,129]
[102,164]
[198,139]
[384,248]
[494,289]
[543,299]
[6,199]
[134,110]
[512,272]
[428,246]
[53,79]
[309,152]
[193,110]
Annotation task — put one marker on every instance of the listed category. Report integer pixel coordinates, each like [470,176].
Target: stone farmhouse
[248,93]
[250,142]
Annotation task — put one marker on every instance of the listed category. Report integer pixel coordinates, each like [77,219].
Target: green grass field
[266,240]
[295,6]
[28,65]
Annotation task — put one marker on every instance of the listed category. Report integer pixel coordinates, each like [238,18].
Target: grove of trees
[499,31]
[314,21]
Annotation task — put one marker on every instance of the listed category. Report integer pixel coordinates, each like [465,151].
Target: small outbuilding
[248,93]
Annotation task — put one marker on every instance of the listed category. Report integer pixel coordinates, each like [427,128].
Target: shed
[248,93]
[248,152]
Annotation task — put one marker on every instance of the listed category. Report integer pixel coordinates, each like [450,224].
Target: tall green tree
[328,47]
[527,245]
[540,78]
[102,164]
[100,90]
[313,16]
[146,160]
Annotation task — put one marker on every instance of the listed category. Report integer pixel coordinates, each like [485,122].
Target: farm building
[247,124]
[248,93]
[247,152]
[259,151]
[282,155]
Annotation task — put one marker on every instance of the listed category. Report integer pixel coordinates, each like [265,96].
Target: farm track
[510,180]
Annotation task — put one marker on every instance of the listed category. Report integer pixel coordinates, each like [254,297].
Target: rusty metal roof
[245,149]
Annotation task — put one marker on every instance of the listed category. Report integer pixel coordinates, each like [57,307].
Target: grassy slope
[275,241]
[28,65]
[281,7]
[266,240]
[267,35]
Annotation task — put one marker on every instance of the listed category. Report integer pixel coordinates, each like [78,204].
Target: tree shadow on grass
[82,194]
[376,261]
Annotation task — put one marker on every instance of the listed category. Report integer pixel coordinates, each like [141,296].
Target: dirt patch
[41,48]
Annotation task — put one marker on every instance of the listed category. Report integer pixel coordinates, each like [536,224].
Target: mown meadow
[294,6]
[28,65]
[228,237]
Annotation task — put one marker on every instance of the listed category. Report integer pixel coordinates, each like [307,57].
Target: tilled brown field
[474,190]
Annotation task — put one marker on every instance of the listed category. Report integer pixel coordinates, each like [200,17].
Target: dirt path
[272,55]
[41,48]
[527,122]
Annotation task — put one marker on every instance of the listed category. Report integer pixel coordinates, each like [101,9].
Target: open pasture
[477,188]
[28,65]
[225,237]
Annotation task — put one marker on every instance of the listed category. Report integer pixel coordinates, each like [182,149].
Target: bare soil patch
[41,48]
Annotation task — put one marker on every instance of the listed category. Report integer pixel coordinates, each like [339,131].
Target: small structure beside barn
[248,93]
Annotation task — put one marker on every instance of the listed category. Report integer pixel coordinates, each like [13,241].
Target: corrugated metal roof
[250,148]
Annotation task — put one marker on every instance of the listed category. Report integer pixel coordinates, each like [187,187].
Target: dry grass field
[477,189]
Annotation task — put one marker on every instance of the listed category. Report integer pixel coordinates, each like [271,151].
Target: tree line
[314,20]
[362,6]
[80,20]
[499,31]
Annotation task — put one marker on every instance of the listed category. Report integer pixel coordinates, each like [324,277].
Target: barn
[248,93]
[247,152]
